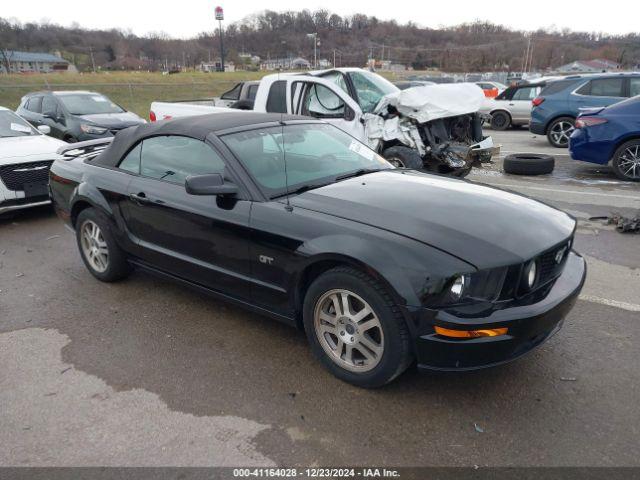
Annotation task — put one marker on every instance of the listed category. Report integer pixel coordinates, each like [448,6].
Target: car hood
[481,225]
[119,120]
[430,102]
[33,147]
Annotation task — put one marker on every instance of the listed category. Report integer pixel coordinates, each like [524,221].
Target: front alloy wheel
[355,328]
[348,330]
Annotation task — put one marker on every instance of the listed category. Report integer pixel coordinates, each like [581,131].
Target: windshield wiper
[301,189]
[357,173]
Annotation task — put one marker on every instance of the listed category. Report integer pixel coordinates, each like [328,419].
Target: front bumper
[529,325]
[11,200]
[484,150]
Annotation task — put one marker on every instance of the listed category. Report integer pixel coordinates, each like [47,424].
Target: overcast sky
[186,18]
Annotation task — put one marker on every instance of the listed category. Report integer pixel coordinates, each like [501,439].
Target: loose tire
[355,329]
[559,131]
[403,157]
[500,120]
[98,248]
[626,161]
[528,164]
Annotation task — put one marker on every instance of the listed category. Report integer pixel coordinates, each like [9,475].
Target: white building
[33,62]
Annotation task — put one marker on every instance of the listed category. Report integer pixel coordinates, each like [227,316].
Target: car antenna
[288,207]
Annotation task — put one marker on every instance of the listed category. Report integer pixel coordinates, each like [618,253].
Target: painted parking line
[536,153]
[565,191]
[632,307]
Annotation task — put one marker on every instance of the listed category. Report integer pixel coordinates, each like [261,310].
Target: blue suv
[554,111]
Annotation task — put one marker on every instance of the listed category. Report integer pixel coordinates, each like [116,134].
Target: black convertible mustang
[294,218]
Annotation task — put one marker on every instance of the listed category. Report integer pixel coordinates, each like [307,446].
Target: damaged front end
[440,122]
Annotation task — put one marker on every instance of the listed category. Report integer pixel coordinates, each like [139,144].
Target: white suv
[26,154]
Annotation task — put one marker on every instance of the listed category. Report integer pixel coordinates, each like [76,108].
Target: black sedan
[295,219]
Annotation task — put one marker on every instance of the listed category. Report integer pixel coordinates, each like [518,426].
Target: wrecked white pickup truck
[436,128]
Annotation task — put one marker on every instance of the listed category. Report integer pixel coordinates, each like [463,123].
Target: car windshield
[299,157]
[88,104]
[11,125]
[370,88]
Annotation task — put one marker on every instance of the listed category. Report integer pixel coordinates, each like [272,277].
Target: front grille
[16,175]
[549,267]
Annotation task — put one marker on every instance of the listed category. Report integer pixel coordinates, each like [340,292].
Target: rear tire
[369,350]
[500,120]
[559,131]
[99,250]
[626,161]
[403,157]
[528,164]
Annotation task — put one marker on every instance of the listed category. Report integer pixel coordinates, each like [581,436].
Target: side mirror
[211,184]
[46,129]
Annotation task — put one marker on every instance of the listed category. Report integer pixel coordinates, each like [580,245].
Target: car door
[600,92]
[32,110]
[53,116]
[320,98]
[520,104]
[203,239]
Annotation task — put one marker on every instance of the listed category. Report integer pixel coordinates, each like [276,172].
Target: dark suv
[556,108]
[76,115]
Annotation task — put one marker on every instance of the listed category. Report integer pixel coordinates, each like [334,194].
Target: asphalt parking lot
[146,372]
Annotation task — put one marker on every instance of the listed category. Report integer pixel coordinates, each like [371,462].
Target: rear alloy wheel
[500,121]
[355,329]
[100,253]
[559,131]
[626,161]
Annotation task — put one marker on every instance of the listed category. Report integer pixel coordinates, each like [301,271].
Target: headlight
[530,274]
[92,129]
[458,287]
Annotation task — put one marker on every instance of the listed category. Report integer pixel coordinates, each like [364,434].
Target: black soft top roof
[196,127]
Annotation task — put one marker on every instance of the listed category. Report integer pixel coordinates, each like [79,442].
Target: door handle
[139,198]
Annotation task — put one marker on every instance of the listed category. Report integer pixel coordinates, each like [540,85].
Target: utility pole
[315,48]
[93,62]
[334,58]
[220,17]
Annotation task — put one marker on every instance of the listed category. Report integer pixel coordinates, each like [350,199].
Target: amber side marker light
[491,332]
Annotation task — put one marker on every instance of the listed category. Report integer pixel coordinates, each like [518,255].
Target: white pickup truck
[436,128]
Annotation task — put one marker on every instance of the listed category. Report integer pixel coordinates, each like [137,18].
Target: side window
[251,92]
[277,99]
[319,101]
[49,105]
[634,87]
[34,104]
[233,94]
[524,94]
[131,162]
[607,87]
[174,158]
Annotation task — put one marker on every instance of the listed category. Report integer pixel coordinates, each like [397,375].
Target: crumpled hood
[118,120]
[28,148]
[430,102]
[484,226]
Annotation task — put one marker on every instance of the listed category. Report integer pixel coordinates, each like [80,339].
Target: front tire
[355,329]
[559,131]
[403,157]
[99,250]
[626,161]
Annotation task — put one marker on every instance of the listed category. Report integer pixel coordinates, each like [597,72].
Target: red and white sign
[219,13]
